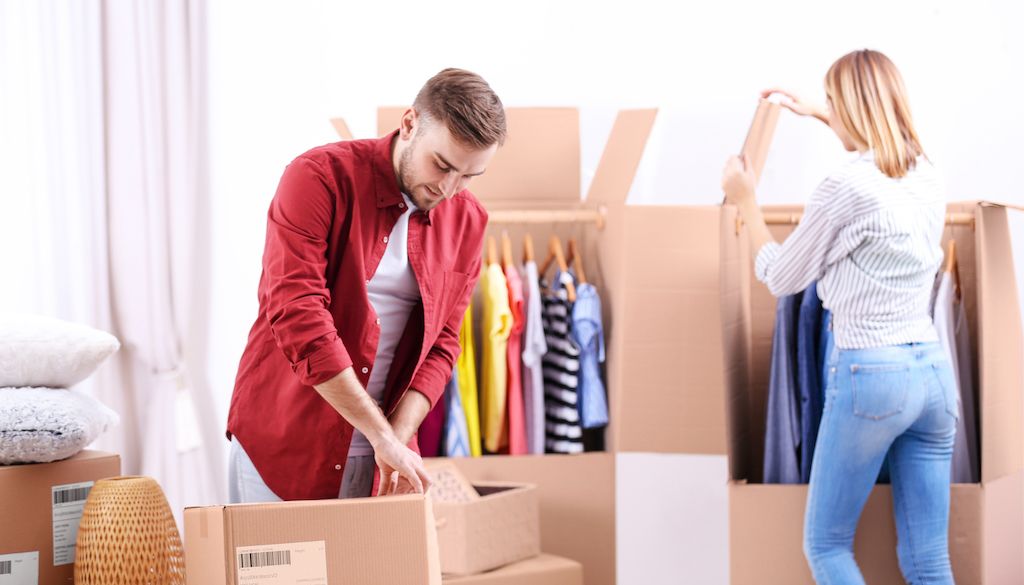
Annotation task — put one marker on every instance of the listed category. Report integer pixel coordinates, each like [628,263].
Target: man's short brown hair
[467,106]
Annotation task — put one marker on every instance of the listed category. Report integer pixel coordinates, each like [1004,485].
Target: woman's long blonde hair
[866,91]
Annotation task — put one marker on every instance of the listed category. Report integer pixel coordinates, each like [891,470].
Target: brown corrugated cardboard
[759,137]
[367,541]
[986,520]
[577,503]
[501,527]
[541,570]
[40,508]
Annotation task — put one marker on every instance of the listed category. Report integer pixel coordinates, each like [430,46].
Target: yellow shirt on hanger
[496,325]
[466,368]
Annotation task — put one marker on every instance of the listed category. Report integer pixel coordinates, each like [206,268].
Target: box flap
[537,168]
[621,157]
[1000,347]
[735,308]
[205,547]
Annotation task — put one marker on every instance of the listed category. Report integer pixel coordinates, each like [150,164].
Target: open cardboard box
[986,534]
[364,540]
[482,525]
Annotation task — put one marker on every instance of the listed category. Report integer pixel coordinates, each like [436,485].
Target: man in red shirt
[373,249]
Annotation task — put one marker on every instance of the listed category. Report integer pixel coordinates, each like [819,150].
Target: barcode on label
[265,559]
[68,495]
[5,567]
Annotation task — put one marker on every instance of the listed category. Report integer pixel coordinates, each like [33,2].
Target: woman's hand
[797,104]
[738,181]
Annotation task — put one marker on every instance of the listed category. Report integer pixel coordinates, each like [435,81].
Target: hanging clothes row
[541,387]
[801,344]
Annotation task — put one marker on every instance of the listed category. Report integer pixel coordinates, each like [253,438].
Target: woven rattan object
[128,536]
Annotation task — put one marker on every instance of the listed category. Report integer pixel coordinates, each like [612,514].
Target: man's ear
[409,124]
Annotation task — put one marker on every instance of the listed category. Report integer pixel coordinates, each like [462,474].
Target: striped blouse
[874,245]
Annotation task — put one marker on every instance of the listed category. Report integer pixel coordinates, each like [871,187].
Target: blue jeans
[903,397]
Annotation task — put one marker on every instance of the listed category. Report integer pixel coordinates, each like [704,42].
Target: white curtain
[104,110]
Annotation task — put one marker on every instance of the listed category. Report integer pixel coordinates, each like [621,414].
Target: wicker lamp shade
[127,536]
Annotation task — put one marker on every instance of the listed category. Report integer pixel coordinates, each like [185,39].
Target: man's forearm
[409,414]
[347,396]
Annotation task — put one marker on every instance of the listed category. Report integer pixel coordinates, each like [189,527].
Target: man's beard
[406,180]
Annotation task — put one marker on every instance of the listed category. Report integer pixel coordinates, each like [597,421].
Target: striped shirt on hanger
[874,245]
[561,366]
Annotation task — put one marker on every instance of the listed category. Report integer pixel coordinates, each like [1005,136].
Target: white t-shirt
[393,293]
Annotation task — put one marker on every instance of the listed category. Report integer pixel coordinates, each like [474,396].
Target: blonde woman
[870,235]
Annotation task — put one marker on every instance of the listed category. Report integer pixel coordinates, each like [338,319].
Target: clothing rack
[596,216]
[782,218]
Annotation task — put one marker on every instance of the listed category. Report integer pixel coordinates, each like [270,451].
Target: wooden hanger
[492,251]
[506,250]
[527,248]
[577,261]
[555,254]
[953,267]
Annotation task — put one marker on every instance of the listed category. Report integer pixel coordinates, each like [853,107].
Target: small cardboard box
[986,520]
[497,525]
[540,570]
[363,541]
[40,508]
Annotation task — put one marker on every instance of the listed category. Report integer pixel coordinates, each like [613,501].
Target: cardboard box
[501,527]
[540,570]
[364,541]
[40,508]
[482,525]
[986,533]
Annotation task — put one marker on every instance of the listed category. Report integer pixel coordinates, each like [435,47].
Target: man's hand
[401,469]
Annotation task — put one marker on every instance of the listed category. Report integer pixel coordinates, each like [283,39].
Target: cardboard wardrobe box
[658,284]
[363,541]
[482,525]
[40,508]
[986,532]
[540,570]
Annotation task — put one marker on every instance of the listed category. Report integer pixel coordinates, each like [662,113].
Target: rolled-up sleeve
[294,271]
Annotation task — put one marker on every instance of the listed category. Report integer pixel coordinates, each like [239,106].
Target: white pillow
[39,425]
[43,351]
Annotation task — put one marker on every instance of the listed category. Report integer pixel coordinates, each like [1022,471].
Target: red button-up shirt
[326,233]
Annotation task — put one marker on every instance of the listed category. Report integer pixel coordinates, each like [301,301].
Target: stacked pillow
[41,419]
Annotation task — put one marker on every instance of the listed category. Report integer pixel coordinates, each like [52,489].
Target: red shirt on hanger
[327,229]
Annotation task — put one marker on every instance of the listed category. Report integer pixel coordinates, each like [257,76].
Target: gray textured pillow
[43,351]
[39,425]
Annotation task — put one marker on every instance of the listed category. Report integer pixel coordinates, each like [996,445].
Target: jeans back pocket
[879,391]
[947,384]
